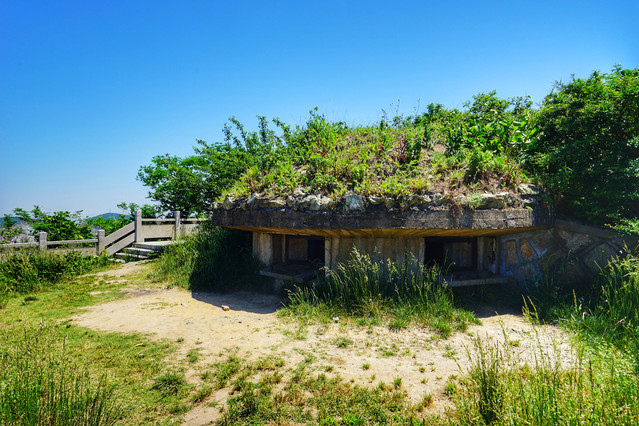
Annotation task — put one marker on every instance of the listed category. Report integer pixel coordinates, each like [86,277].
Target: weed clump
[26,271]
[40,384]
[596,386]
[213,259]
[384,291]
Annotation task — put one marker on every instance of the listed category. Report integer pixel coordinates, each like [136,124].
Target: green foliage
[598,387]
[627,226]
[176,182]
[58,225]
[587,150]
[307,398]
[214,259]
[9,231]
[193,183]
[405,293]
[148,211]
[170,383]
[41,384]
[24,271]
[109,224]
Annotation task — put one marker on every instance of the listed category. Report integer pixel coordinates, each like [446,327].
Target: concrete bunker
[295,238]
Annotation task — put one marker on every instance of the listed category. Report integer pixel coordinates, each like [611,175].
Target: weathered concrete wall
[339,249]
[574,251]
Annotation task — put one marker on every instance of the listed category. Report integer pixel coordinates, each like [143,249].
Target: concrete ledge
[320,223]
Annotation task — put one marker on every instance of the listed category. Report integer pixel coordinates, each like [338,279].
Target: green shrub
[214,259]
[170,383]
[587,150]
[40,384]
[24,271]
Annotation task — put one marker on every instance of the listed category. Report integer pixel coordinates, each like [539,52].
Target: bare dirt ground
[362,355]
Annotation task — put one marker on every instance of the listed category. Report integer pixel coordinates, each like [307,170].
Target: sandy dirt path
[364,356]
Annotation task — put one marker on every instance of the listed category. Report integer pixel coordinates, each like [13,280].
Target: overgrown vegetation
[581,142]
[268,391]
[375,292]
[29,270]
[587,151]
[596,386]
[43,384]
[213,259]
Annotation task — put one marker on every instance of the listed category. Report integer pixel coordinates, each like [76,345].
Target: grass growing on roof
[393,159]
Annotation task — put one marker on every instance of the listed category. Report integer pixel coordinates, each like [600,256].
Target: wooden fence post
[100,246]
[138,227]
[176,216]
[42,240]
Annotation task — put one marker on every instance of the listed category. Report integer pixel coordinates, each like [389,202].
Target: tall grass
[399,293]
[613,312]
[40,384]
[213,258]
[24,271]
[588,387]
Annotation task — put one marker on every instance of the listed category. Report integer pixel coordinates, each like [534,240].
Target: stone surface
[528,189]
[276,203]
[427,219]
[252,200]
[228,203]
[299,192]
[291,203]
[512,257]
[461,200]
[353,203]
[491,201]
[376,200]
[543,241]
[418,200]
[526,250]
[574,241]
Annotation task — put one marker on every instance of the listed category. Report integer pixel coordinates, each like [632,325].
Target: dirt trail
[366,356]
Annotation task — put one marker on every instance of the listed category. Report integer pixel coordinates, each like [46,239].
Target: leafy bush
[214,258]
[40,384]
[58,225]
[587,150]
[24,271]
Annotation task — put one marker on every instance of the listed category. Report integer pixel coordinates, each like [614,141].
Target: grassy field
[55,372]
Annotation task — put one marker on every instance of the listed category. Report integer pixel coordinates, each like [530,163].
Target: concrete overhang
[382,222]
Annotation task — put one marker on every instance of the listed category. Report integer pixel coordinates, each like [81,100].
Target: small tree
[59,226]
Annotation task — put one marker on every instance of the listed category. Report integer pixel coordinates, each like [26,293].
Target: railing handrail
[118,239]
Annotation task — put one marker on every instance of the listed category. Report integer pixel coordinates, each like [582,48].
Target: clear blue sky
[92,90]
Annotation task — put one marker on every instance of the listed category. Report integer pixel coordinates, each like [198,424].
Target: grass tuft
[396,293]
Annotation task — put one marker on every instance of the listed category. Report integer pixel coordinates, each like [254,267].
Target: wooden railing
[138,231]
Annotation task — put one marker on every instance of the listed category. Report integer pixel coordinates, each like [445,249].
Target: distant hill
[109,216]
